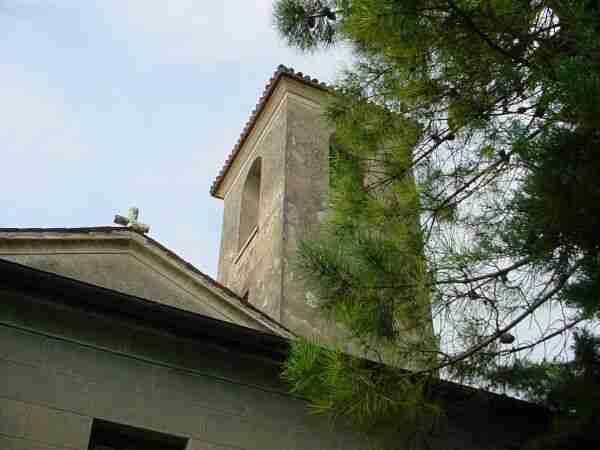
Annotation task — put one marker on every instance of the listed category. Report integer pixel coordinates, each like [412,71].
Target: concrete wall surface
[255,268]
[291,137]
[61,368]
[306,205]
[126,262]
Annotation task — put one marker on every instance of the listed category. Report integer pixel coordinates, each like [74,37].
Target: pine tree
[467,192]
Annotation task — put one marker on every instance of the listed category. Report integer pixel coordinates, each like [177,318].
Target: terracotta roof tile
[269,88]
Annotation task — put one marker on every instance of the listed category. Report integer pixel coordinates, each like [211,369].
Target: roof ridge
[268,90]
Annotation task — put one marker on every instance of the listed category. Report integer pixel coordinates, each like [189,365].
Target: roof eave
[216,189]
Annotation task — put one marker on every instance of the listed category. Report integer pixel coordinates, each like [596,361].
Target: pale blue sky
[112,103]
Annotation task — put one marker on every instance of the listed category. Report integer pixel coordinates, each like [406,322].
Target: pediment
[126,261]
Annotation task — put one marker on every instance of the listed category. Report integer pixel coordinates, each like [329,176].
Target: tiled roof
[124,230]
[269,88]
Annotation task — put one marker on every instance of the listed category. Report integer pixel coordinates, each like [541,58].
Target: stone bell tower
[274,185]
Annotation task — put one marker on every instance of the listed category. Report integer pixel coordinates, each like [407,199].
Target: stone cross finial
[132,220]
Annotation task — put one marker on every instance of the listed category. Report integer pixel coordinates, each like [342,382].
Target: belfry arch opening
[250,206]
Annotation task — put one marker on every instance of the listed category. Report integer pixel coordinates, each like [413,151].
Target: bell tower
[274,185]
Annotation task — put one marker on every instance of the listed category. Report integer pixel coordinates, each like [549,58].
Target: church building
[110,341]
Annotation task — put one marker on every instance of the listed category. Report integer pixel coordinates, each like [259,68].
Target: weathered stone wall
[256,268]
[292,139]
[305,206]
[61,368]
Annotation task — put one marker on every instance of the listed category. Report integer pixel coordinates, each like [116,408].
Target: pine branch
[487,341]
[469,22]
[552,335]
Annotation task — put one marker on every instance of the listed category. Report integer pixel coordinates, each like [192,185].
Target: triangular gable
[126,261]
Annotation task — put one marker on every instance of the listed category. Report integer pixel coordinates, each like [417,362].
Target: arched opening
[250,203]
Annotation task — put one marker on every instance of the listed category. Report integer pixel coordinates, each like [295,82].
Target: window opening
[114,436]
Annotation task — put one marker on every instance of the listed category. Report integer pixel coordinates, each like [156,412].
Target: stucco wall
[293,144]
[306,179]
[292,139]
[60,368]
[124,261]
[124,272]
[256,269]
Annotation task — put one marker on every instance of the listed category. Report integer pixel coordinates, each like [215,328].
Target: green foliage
[559,205]
[571,388]
[305,24]
[466,189]
[368,394]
